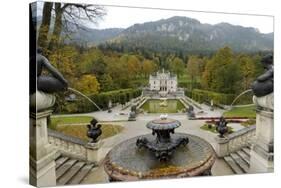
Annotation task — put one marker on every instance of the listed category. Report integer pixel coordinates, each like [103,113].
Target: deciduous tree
[177,66]
[88,84]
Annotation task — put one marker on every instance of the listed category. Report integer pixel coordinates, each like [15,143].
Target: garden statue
[163,102]
[133,113]
[43,86]
[221,127]
[94,130]
[109,106]
[49,84]
[190,112]
[212,105]
[263,85]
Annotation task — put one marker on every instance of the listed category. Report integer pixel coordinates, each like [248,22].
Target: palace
[163,82]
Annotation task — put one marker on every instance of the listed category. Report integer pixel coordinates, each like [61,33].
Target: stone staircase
[70,171]
[239,161]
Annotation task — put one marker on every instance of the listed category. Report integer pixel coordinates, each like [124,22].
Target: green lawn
[69,120]
[248,111]
[80,131]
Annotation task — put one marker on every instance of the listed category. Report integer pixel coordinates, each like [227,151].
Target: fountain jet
[81,94]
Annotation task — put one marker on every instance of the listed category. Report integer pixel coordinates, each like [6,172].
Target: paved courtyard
[136,128]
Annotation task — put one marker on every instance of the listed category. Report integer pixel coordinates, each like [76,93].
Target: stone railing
[75,147]
[234,141]
[184,102]
[141,102]
[192,102]
[68,145]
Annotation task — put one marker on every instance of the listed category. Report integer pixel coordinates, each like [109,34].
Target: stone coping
[66,138]
[241,132]
[42,114]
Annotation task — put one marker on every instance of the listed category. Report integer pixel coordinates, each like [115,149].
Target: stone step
[57,155]
[240,162]
[249,143]
[235,168]
[66,177]
[60,161]
[244,156]
[65,167]
[78,178]
[247,150]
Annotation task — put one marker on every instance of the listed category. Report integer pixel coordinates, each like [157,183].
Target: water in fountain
[81,94]
[244,92]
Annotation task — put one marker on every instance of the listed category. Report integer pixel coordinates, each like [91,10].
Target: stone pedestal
[40,101]
[262,150]
[132,116]
[42,155]
[93,154]
[221,147]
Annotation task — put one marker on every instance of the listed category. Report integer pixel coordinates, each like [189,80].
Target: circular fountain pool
[126,162]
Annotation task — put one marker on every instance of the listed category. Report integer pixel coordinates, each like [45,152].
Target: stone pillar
[93,153]
[221,147]
[261,160]
[42,155]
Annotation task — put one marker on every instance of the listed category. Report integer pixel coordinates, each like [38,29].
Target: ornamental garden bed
[76,127]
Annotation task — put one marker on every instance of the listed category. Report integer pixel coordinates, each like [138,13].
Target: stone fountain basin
[125,162]
[163,124]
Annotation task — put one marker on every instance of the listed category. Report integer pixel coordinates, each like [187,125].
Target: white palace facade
[163,82]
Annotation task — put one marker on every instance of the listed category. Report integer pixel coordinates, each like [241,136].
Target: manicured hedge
[206,96]
[102,99]
[188,93]
[187,84]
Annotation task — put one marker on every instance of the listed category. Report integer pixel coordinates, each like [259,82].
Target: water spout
[81,94]
[244,92]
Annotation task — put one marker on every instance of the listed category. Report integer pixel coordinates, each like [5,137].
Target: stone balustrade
[192,102]
[68,145]
[235,141]
[141,102]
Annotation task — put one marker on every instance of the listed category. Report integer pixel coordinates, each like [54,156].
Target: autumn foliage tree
[177,66]
[148,67]
[88,84]
[193,68]
[247,68]
[218,75]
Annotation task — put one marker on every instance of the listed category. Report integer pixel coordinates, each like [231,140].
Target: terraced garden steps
[239,161]
[71,171]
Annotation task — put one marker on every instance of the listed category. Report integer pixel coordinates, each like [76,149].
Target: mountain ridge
[180,33]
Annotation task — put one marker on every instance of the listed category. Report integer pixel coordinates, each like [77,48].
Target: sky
[123,17]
